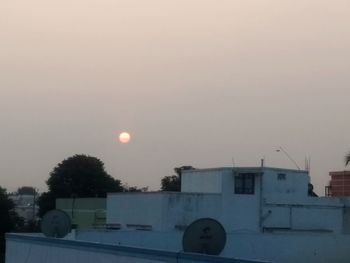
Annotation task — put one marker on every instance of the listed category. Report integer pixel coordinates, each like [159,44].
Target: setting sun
[124,137]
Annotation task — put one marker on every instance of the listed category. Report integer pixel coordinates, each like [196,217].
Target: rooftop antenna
[307,163]
[309,166]
[280,149]
[233,162]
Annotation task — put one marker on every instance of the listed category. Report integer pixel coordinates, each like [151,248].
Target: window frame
[247,183]
[281,177]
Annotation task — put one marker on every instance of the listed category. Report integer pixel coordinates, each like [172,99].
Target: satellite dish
[205,236]
[56,223]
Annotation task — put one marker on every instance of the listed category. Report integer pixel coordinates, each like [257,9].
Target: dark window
[244,183]
[281,176]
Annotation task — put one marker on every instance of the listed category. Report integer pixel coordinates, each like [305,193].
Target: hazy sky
[195,82]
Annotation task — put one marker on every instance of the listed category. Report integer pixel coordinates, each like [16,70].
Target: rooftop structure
[25,206]
[85,213]
[339,184]
[258,208]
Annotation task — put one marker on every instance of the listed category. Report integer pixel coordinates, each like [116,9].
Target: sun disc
[124,137]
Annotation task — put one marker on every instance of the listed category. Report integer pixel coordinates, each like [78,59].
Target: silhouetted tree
[26,190]
[128,188]
[6,222]
[172,183]
[78,176]
[46,202]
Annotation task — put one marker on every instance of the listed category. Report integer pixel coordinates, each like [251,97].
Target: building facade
[267,215]
[85,213]
[339,184]
[25,206]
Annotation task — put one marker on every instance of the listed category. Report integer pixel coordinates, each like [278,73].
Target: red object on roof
[340,183]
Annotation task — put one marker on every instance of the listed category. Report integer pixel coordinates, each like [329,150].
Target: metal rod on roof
[233,162]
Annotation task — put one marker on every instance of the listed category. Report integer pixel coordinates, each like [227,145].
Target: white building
[25,206]
[266,213]
[242,199]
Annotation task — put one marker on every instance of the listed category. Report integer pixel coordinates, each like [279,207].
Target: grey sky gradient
[194,82]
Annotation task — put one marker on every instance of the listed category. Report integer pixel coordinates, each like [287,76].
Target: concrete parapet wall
[35,249]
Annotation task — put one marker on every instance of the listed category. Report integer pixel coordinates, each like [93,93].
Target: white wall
[311,214]
[281,247]
[162,211]
[290,247]
[312,218]
[280,205]
[135,208]
[35,249]
[294,187]
[28,252]
[201,181]
[169,240]
[276,217]
[181,209]
[240,213]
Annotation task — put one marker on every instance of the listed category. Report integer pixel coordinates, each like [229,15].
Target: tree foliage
[128,188]
[46,202]
[77,176]
[6,205]
[6,214]
[26,190]
[172,183]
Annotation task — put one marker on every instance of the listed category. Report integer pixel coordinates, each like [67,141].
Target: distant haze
[195,82]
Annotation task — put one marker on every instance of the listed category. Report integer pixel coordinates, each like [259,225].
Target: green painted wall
[84,212]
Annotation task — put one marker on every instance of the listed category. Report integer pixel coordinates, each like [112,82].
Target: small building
[25,206]
[85,213]
[257,199]
[339,184]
